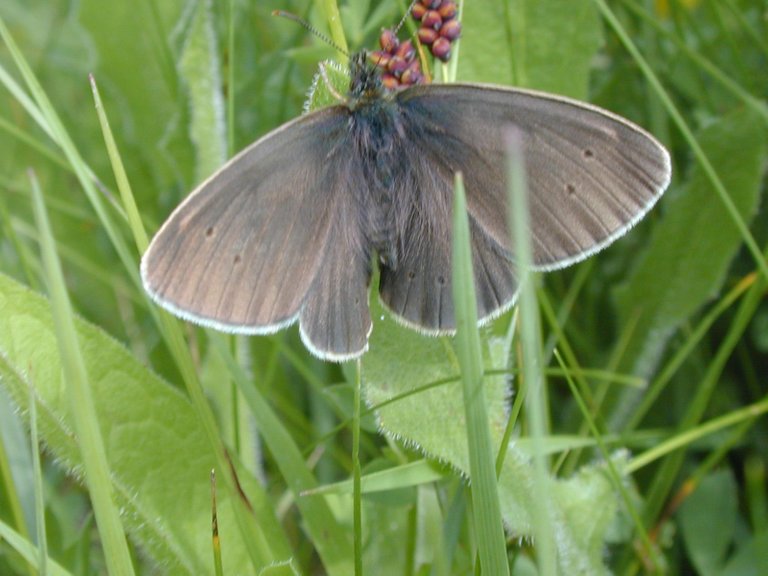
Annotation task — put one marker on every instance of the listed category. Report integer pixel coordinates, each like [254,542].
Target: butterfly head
[365,85]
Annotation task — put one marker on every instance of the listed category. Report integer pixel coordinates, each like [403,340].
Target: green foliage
[708,521]
[669,477]
[696,269]
[152,437]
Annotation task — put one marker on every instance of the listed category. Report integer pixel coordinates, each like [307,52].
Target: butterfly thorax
[377,133]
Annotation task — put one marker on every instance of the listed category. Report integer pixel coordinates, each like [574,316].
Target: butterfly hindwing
[335,319]
[419,289]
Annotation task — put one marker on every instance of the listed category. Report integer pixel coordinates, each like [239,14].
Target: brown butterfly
[289,229]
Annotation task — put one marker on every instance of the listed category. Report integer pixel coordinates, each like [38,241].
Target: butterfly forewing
[243,252]
[591,174]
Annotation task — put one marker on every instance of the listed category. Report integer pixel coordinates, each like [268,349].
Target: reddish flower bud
[411,77]
[451,30]
[448,10]
[442,49]
[432,20]
[406,51]
[427,36]
[418,11]
[413,74]
[388,41]
[389,81]
[380,58]
[397,65]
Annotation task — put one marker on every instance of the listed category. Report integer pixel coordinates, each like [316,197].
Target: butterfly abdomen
[378,144]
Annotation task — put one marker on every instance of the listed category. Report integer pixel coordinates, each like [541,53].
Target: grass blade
[117,556]
[42,541]
[532,368]
[482,469]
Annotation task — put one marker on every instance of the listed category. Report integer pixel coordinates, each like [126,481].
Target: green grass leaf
[77,390]
[157,451]
[200,69]
[482,472]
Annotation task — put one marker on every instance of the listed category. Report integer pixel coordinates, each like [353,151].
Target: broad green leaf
[691,249]
[320,93]
[422,374]
[708,521]
[156,448]
[750,558]
[541,44]
[199,67]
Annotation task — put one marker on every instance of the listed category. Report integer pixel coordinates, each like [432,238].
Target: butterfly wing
[591,175]
[249,250]
[335,318]
[418,289]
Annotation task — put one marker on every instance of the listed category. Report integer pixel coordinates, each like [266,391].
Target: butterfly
[289,230]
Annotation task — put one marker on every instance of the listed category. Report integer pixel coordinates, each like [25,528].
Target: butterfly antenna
[405,17]
[311,29]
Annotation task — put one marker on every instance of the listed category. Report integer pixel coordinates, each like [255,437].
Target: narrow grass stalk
[530,336]
[231,7]
[123,185]
[20,96]
[757,492]
[700,400]
[27,550]
[256,520]
[691,435]
[705,65]
[417,473]
[34,144]
[8,230]
[215,540]
[696,336]
[158,37]
[95,466]
[45,114]
[333,16]
[488,525]
[42,541]
[357,497]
